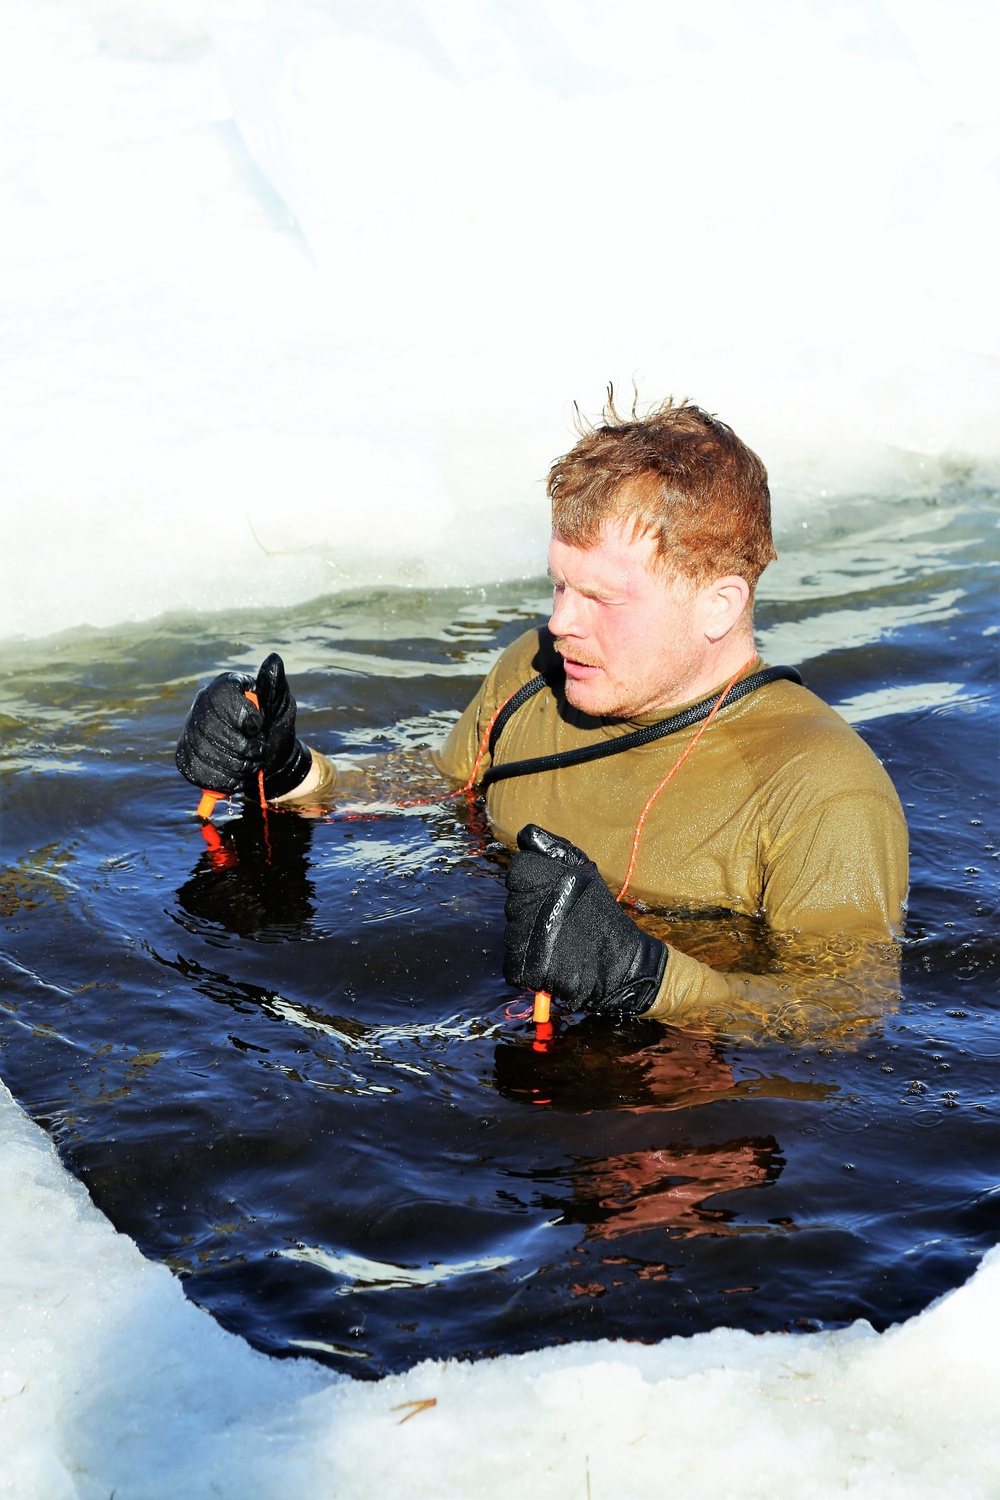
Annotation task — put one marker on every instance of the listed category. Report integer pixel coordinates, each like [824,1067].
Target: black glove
[226,740]
[567,934]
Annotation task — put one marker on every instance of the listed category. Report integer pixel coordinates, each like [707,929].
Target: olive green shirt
[780,811]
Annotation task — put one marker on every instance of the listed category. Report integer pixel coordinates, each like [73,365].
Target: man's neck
[711,675]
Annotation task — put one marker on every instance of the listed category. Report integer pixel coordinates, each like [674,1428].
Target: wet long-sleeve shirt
[781,811]
[781,818]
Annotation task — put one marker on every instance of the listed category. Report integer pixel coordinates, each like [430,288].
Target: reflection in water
[253,877]
[642,1067]
[34,879]
[668,1189]
[595,1065]
[359,1274]
[253,880]
[638,1066]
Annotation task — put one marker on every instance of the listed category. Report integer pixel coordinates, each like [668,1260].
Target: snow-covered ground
[112,1383]
[298,296]
[215,395]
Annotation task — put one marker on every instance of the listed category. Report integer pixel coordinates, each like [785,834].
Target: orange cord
[543,1000]
[464,791]
[263,813]
[673,772]
[206,806]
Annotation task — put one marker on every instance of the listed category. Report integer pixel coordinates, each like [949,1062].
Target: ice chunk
[111,1381]
[338,346]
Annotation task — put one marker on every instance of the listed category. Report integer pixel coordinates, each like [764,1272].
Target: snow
[112,1382]
[297,296]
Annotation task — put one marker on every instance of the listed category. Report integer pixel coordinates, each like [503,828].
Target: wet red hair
[677,474]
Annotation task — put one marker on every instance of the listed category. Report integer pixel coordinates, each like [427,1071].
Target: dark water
[290,1076]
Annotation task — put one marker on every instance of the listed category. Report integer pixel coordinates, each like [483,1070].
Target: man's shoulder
[801,711]
[796,706]
[791,734]
[531,655]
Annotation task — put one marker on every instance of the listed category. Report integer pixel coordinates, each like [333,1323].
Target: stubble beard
[610,703]
[614,700]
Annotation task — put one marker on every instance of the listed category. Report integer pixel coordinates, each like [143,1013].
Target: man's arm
[317,787]
[834,892]
[834,888]
[516,666]
[832,984]
[416,772]
[227,740]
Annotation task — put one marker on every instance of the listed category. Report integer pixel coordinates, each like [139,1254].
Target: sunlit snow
[111,1381]
[298,296]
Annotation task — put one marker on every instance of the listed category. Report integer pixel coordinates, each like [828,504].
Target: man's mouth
[577,667]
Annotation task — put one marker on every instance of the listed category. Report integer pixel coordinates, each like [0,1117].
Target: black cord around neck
[686,719]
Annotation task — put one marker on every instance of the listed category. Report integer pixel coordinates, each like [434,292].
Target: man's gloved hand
[226,740]
[567,934]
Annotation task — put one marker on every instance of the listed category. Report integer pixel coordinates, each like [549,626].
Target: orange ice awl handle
[543,1004]
[206,807]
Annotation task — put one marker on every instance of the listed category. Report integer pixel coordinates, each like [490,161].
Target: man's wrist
[639,994]
[313,778]
[689,989]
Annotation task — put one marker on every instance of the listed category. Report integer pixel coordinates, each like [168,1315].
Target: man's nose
[565,617]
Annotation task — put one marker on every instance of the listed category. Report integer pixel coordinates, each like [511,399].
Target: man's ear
[725,601]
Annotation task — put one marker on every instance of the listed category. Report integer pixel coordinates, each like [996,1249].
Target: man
[758,799]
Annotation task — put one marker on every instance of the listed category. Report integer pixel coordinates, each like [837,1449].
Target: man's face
[628,632]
